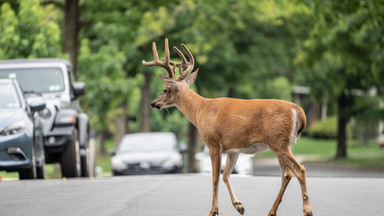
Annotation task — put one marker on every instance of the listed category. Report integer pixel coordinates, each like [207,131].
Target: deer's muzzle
[157,106]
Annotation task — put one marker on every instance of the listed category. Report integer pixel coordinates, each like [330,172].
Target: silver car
[147,153]
[244,165]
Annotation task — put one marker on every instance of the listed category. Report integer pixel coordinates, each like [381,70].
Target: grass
[308,146]
[360,155]
[104,162]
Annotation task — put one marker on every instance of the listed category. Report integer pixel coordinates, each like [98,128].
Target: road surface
[187,195]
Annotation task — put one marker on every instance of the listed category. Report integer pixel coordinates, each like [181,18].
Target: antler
[166,63]
[189,65]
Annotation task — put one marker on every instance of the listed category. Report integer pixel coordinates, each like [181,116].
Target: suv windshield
[36,79]
[8,96]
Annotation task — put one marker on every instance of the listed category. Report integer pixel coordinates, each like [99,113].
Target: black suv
[66,127]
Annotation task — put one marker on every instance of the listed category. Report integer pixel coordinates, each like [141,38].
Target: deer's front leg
[216,166]
[231,162]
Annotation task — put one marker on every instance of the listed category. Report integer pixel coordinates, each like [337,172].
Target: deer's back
[242,123]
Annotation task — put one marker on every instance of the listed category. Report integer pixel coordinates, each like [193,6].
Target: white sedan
[244,165]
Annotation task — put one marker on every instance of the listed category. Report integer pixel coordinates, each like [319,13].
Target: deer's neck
[190,103]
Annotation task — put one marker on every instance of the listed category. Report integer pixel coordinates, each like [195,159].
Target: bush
[326,128]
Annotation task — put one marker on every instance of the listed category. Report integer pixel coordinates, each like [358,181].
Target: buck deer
[234,126]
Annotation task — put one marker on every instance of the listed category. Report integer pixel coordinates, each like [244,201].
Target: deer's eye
[165,91]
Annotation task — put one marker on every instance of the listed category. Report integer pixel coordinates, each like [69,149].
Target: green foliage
[345,47]
[326,128]
[27,32]
[107,84]
[344,54]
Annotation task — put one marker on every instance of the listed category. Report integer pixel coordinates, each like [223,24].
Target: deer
[232,126]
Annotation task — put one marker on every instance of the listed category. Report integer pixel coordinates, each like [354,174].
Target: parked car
[244,165]
[21,133]
[147,153]
[65,126]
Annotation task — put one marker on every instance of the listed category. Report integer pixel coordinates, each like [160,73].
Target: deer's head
[173,87]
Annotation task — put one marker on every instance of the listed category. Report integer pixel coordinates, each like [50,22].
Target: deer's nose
[157,106]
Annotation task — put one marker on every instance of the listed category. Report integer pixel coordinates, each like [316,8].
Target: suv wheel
[84,164]
[40,167]
[29,173]
[40,171]
[70,158]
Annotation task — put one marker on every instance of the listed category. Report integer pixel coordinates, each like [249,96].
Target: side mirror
[37,106]
[78,88]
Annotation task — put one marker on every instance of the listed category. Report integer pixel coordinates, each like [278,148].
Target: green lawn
[367,155]
[104,161]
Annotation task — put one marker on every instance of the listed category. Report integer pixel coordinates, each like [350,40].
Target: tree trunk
[102,135]
[120,124]
[71,28]
[342,126]
[145,104]
[192,143]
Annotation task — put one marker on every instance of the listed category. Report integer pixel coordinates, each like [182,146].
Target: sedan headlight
[118,164]
[14,128]
[173,161]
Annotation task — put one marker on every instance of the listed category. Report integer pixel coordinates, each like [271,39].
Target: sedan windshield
[8,97]
[36,79]
[147,144]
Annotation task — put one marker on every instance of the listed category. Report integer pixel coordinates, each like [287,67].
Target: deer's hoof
[239,207]
[308,212]
[271,213]
[214,213]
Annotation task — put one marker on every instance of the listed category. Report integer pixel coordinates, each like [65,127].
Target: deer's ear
[192,77]
[168,81]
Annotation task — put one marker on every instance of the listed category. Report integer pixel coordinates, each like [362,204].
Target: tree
[71,31]
[28,30]
[108,90]
[344,53]
[117,30]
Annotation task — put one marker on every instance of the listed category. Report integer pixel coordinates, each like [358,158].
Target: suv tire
[84,164]
[70,157]
[29,173]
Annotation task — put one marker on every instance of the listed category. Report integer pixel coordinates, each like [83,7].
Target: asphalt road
[187,195]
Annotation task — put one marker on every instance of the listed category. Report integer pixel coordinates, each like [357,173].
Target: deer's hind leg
[286,176]
[289,161]
[230,164]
